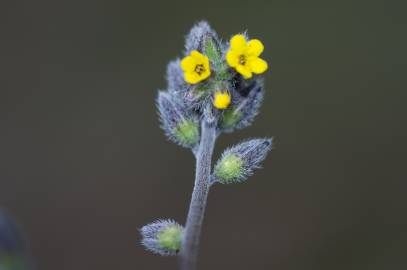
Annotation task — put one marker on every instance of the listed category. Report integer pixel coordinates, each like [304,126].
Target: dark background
[84,164]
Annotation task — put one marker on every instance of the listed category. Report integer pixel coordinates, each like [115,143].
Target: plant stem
[190,243]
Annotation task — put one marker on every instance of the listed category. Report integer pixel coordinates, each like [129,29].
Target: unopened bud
[162,237]
[238,162]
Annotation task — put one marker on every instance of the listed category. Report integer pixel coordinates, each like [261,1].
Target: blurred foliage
[12,248]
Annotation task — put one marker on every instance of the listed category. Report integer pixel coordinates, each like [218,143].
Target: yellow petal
[221,100]
[232,58]
[257,65]
[188,63]
[192,77]
[238,43]
[204,75]
[245,71]
[199,57]
[254,47]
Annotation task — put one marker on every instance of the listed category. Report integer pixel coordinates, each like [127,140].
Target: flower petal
[232,58]
[238,42]
[254,47]
[188,64]
[198,56]
[192,77]
[257,65]
[206,74]
[245,71]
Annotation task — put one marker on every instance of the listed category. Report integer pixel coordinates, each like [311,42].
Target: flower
[244,56]
[196,67]
[221,100]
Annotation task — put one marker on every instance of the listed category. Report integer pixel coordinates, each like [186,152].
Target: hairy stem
[190,243]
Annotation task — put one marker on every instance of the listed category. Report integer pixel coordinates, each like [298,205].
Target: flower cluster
[216,87]
[220,78]
[242,56]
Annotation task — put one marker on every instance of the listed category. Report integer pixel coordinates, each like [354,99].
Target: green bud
[239,161]
[170,238]
[229,168]
[230,118]
[162,237]
[179,123]
[187,132]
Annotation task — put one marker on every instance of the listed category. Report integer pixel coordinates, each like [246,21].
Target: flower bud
[179,125]
[238,162]
[244,111]
[162,237]
[229,167]
[187,132]
[221,100]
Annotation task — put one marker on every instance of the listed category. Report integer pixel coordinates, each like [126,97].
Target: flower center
[199,69]
[242,59]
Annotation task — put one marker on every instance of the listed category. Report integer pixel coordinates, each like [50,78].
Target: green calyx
[187,132]
[230,118]
[229,168]
[170,238]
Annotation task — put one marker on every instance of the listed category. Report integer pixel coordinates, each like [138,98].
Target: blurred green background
[84,164]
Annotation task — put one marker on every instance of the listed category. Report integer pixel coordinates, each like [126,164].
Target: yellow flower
[221,100]
[244,56]
[196,67]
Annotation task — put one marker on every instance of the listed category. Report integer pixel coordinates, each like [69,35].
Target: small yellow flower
[196,67]
[244,56]
[221,100]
